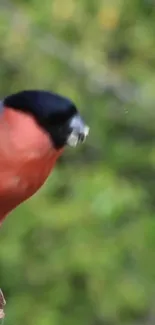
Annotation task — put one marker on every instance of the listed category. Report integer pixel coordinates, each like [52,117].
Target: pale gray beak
[79,131]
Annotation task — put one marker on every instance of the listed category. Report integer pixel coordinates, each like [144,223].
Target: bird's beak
[79,131]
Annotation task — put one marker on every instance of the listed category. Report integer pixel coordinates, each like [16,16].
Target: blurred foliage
[81,251]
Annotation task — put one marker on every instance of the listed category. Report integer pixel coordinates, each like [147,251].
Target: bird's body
[26,158]
[35,126]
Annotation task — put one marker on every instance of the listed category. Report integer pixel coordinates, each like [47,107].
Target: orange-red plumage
[26,158]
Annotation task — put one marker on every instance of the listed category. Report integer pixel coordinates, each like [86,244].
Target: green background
[82,250]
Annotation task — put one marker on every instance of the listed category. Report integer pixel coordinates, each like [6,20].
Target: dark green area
[82,250]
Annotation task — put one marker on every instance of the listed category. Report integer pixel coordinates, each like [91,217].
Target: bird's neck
[25,134]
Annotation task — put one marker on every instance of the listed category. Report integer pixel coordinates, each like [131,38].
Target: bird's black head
[54,113]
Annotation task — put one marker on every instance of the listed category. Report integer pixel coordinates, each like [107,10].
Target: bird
[35,128]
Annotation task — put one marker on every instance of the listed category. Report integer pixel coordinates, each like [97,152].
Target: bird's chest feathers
[27,177]
[23,177]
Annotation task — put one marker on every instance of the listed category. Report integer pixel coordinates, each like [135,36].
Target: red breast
[26,158]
